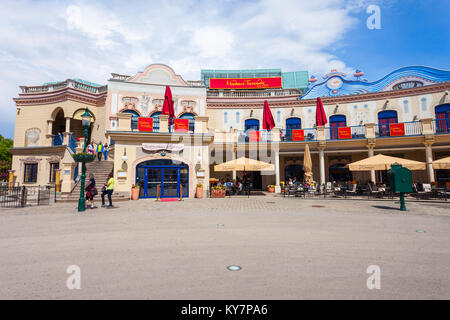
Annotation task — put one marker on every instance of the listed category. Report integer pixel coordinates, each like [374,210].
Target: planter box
[218,193]
[83,157]
[199,193]
[271,189]
[135,193]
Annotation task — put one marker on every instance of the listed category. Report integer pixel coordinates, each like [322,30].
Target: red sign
[397,129]
[245,83]
[145,124]
[298,135]
[254,136]
[345,133]
[181,125]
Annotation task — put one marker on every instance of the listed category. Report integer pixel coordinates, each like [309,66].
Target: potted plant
[218,192]
[135,192]
[199,191]
[83,157]
[271,188]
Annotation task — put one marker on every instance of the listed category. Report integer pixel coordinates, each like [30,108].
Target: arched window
[423,103]
[278,116]
[225,117]
[442,118]
[336,121]
[405,106]
[155,117]
[385,118]
[134,118]
[238,117]
[252,124]
[189,116]
[293,123]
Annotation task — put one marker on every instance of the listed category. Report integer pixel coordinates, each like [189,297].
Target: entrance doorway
[339,173]
[294,171]
[171,175]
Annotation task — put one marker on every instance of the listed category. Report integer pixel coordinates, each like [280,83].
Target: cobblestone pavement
[288,248]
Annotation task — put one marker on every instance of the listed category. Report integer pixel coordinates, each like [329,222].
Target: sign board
[397,129]
[344,133]
[163,146]
[298,135]
[145,124]
[181,125]
[254,136]
[245,83]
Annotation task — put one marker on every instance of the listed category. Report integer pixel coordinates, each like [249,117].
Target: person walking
[91,192]
[108,189]
[90,148]
[99,151]
[105,150]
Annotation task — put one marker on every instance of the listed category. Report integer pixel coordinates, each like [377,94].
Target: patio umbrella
[383,162]
[244,164]
[321,117]
[268,122]
[168,104]
[307,165]
[442,163]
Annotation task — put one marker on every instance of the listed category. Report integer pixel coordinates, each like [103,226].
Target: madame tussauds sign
[163,146]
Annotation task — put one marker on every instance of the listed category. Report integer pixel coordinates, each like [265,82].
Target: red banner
[298,135]
[181,125]
[145,124]
[245,83]
[345,133]
[254,136]
[397,129]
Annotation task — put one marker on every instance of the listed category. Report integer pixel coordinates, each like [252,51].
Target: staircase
[100,170]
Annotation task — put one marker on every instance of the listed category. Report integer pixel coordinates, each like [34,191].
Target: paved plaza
[288,248]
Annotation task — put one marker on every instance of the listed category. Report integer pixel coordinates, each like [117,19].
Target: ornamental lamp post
[86,122]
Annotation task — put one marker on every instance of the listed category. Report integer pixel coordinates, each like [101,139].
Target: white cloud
[55,40]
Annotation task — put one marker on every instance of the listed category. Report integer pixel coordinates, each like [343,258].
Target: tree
[5,145]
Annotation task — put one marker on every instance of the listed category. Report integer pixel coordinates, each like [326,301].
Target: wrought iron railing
[412,128]
[57,140]
[254,136]
[441,126]
[72,143]
[288,135]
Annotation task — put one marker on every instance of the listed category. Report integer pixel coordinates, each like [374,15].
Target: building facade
[404,114]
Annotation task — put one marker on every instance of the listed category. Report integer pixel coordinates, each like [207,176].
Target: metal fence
[13,197]
[21,196]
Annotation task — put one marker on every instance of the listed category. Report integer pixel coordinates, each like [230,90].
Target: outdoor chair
[311,191]
[337,190]
[327,189]
[371,191]
[300,190]
[352,191]
[425,193]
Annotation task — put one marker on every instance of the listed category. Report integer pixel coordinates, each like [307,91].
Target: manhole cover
[420,231]
[234,268]
[220,225]
[317,206]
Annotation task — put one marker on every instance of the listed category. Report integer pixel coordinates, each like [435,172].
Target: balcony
[69,83]
[368,131]
[254,93]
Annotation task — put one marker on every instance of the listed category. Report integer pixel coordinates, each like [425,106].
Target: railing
[255,93]
[13,197]
[412,128]
[441,126]
[57,140]
[254,136]
[63,84]
[309,134]
[357,132]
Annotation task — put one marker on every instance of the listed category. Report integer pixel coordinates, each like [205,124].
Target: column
[49,127]
[429,157]
[322,165]
[277,170]
[370,153]
[234,157]
[68,124]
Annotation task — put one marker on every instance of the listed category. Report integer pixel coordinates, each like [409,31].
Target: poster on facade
[245,83]
[345,133]
[298,135]
[254,136]
[145,124]
[181,125]
[397,129]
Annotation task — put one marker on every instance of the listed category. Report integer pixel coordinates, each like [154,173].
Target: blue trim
[134,118]
[338,118]
[442,108]
[251,124]
[387,114]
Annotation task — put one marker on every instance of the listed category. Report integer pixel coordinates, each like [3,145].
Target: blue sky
[44,41]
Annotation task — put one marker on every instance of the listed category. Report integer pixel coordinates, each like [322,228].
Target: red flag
[268,122]
[168,103]
[321,117]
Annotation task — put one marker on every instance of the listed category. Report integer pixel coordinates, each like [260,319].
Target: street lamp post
[86,122]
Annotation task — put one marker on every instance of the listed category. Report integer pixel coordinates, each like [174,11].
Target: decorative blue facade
[336,84]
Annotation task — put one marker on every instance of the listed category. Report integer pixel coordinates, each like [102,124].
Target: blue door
[172,177]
